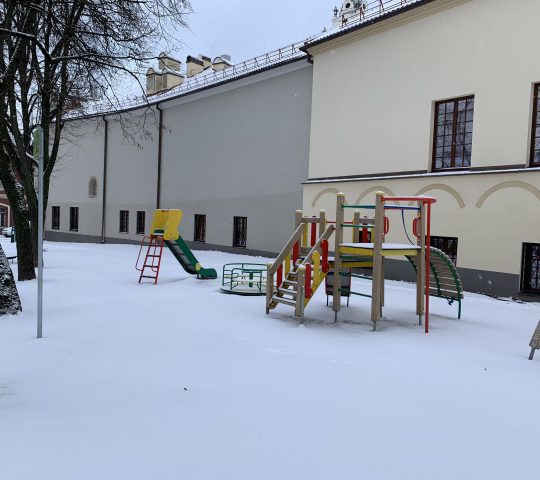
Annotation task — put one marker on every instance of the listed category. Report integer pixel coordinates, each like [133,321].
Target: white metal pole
[38,157]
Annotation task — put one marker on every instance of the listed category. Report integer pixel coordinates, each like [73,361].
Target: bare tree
[60,56]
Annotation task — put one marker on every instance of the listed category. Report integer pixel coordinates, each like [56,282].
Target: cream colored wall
[80,158]
[373,98]
[491,214]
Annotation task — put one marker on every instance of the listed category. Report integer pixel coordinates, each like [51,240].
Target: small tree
[10,303]
[59,56]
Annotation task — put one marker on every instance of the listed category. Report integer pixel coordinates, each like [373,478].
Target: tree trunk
[25,251]
[10,303]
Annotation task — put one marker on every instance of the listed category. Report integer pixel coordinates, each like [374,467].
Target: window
[452,143]
[74,219]
[55,225]
[141,222]
[240,232]
[535,141]
[124,221]
[200,228]
[448,245]
[92,187]
[530,268]
[3,216]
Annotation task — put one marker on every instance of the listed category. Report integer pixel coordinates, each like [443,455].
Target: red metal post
[324,263]
[313,234]
[428,266]
[279,280]
[295,253]
[308,290]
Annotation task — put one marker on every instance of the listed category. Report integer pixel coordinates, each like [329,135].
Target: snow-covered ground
[179,381]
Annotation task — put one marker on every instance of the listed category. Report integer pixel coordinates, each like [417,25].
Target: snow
[180,381]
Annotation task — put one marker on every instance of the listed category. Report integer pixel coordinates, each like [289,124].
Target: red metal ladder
[152,259]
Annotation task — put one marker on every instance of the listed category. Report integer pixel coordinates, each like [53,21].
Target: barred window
[3,216]
[240,232]
[141,222]
[530,268]
[535,141]
[92,187]
[74,219]
[55,218]
[452,145]
[448,245]
[124,221]
[200,228]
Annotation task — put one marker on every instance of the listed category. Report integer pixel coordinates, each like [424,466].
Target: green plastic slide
[189,262]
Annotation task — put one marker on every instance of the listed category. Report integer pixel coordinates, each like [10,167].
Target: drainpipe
[104,188]
[160,137]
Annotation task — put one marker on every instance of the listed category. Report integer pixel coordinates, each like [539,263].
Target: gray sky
[247,28]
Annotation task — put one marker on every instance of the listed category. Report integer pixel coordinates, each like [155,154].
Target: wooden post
[338,237]
[378,235]
[421,263]
[322,222]
[356,230]
[269,286]
[297,218]
[300,291]
[535,341]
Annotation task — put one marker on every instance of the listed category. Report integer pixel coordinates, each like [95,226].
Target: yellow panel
[168,221]
[368,252]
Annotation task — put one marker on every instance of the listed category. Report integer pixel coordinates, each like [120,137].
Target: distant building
[6,219]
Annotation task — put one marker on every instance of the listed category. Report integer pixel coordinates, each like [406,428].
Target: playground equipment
[244,278]
[299,269]
[164,231]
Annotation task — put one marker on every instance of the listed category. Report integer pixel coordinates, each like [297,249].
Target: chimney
[207,61]
[222,62]
[169,63]
[150,81]
[193,66]
[171,79]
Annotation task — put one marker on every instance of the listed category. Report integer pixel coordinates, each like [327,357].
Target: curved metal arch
[445,188]
[501,186]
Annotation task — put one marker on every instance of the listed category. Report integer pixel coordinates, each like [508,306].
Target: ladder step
[284,291]
[147,276]
[290,282]
[153,256]
[284,301]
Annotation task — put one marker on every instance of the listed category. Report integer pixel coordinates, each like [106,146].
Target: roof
[374,14]
[203,81]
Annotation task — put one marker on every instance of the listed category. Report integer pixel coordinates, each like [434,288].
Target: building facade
[233,157]
[439,98]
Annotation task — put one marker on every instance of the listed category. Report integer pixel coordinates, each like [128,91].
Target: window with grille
[200,228]
[124,221]
[74,219]
[240,231]
[141,222]
[535,141]
[452,143]
[530,268]
[3,216]
[448,245]
[55,218]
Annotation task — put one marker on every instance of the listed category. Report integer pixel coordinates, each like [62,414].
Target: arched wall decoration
[322,193]
[445,188]
[377,188]
[501,186]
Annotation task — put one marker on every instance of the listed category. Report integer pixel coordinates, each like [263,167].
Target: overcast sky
[247,28]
